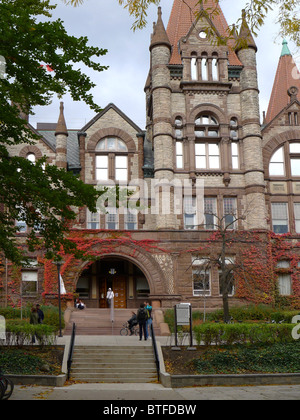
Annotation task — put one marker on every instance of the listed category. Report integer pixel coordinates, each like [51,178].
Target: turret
[160,49]
[252,137]
[61,134]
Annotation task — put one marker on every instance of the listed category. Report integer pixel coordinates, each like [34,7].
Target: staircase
[98,321]
[122,364]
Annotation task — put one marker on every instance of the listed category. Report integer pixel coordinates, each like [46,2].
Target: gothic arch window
[111,160]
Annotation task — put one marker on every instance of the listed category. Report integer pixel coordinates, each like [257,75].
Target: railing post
[155,352]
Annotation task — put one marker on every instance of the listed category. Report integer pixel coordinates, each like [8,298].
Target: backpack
[143,314]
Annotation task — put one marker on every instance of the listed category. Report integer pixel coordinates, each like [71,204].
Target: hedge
[20,334]
[227,334]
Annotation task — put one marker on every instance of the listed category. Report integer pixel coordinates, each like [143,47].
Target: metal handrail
[71,350]
[155,351]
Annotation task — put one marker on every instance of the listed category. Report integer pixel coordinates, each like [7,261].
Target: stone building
[203,133]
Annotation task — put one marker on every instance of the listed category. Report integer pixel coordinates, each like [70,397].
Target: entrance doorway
[128,282]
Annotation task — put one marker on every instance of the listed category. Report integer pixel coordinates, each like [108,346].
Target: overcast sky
[108,25]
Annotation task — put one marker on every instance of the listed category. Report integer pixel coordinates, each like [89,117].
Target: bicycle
[6,387]
[126,331]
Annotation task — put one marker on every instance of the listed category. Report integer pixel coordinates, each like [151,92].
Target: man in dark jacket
[40,314]
[142,317]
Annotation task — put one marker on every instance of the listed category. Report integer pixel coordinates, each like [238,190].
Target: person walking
[109,297]
[142,317]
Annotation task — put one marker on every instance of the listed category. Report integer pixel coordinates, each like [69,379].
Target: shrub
[21,333]
[228,334]
[274,358]
[51,314]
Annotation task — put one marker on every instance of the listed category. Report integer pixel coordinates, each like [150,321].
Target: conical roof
[287,76]
[160,36]
[61,127]
[184,14]
[245,38]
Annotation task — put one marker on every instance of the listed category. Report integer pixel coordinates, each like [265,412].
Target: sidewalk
[152,392]
[110,340]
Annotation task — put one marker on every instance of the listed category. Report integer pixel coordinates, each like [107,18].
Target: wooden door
[119,288]
[102,293]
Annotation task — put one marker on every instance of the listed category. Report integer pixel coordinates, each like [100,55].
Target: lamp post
[58,265]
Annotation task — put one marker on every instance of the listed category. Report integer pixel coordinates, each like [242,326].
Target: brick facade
[203,124]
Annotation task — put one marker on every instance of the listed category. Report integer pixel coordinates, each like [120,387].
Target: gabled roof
[183,16]
[104,111]
[287,75]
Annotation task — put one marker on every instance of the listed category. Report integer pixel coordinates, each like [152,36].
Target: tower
[161,127]
[251,131]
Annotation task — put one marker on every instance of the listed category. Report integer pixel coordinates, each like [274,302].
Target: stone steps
[98,322]
[122,364]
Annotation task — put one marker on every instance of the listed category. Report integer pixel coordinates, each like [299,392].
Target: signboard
[183,313]
[183,317]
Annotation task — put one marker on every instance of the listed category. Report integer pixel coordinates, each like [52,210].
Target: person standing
[142,317]
[34,320]
[149,320]
[40,313]
[109,297]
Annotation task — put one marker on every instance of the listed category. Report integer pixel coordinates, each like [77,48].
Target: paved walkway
[129,393]
[153,392]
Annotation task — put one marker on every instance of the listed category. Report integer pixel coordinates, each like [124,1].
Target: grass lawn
[272,358]
[31,360]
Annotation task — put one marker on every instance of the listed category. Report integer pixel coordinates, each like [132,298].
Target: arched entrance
[124,277]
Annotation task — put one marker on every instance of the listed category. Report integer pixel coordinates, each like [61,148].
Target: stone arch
[145,261]
[30,149]
[208,108]
[111,132]
[275,143]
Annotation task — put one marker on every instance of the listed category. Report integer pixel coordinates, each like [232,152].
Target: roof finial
[285,48]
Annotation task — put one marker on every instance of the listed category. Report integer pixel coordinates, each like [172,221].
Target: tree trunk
[226,307]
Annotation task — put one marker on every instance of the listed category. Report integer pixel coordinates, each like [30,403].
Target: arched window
[194,69]
[31,157]
[111,160]
[204,67]
[295,158]
[207,150]
[215,67]
[276,167]
[206,125]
